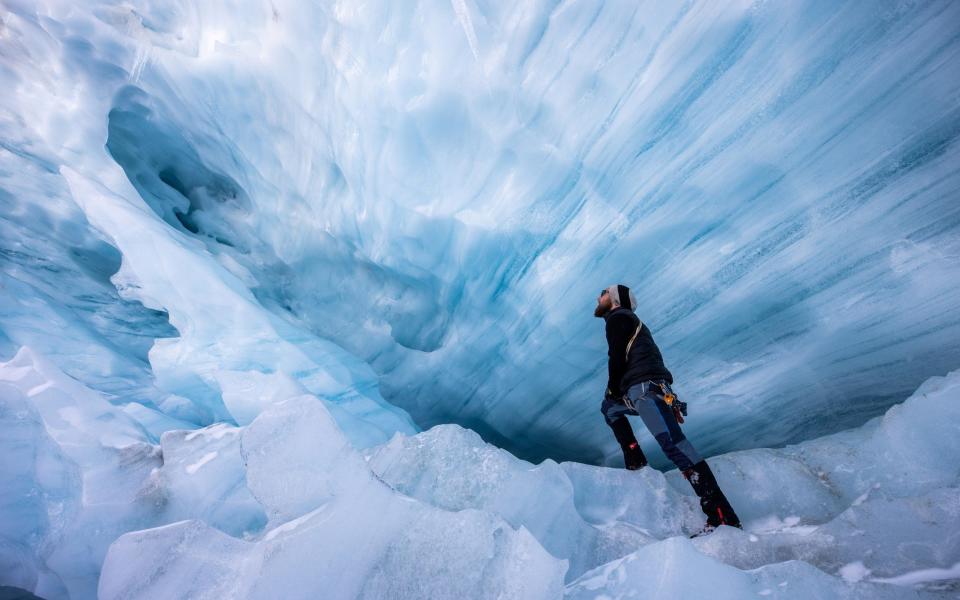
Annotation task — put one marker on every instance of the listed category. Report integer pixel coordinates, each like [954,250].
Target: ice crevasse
[297,296]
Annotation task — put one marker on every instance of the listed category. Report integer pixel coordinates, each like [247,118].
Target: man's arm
[620,329]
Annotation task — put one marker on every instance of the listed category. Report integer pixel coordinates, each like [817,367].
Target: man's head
[613,297]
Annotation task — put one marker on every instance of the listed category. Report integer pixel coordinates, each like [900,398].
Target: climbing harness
[632,339]
[670,399]
[678,406]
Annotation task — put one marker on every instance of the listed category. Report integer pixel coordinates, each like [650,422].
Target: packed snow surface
[274,275]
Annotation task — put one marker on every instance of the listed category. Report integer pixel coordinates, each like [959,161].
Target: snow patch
[921,576]
[853,572]
[193,468]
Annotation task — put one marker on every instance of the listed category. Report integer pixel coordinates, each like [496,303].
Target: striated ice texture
[295,297]
[422,202]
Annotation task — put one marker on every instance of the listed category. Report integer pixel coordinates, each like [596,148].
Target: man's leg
[614,413]
[713,502]
[659,419]
[662,423]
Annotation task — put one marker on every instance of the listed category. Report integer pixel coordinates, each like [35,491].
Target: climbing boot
[712,501]
[633,457]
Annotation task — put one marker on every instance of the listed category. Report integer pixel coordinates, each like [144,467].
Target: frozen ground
[287,504]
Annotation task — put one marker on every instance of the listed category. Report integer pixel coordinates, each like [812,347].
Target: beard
[600,311]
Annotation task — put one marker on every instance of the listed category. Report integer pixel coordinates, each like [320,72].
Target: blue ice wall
[439,190]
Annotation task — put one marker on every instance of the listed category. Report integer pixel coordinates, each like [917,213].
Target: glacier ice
[239,510]
[78,472]
[223,328]
[338,530]
[203,477]
[618,532]
[891,484]
[453,468]
[442,205]
[653,572]
[296,460]
[74,481]
[249,251]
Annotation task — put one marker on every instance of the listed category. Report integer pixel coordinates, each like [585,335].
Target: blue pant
[646,401]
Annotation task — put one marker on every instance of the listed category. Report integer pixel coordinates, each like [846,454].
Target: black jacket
[644,362]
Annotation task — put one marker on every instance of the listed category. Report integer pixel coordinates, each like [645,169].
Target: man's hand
[677,414]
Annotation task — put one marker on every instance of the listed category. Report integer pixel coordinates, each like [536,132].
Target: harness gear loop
[668,398]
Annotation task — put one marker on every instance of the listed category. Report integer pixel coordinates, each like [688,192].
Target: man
[639,385]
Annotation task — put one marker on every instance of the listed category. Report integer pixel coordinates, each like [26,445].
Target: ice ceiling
[415,205]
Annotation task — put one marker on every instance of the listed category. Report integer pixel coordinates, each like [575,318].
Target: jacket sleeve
[619,330]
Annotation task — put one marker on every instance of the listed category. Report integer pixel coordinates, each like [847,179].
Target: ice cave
[297,299]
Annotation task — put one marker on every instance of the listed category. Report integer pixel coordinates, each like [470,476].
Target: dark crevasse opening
[131,326]
[56,292]
[170,175]
[167,163]
[174,179]
[162,161]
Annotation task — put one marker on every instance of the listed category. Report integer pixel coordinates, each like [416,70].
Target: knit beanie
[622,296]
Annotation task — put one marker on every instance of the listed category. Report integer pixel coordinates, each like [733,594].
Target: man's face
[604,304]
